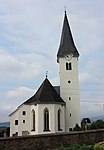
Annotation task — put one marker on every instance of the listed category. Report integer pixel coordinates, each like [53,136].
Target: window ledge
[46,130]
[32,130]
[59,129]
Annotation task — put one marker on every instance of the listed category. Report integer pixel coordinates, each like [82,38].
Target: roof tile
[45,94]
[67,45]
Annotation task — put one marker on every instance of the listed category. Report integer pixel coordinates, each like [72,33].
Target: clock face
[68,57]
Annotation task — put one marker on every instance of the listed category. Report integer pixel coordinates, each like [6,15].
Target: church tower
[67,57]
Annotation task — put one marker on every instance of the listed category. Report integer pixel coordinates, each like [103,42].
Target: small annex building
[52,109]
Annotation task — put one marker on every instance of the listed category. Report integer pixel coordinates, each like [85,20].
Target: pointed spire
[67,45]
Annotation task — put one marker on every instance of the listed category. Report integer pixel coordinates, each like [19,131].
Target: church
[53,109]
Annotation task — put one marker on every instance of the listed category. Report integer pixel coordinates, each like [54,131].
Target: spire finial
[65,8]
[46,74]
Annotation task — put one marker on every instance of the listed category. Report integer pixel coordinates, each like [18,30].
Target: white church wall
[23,126]
[70,91]
[62,119]
[13,127]
[35,108]
[41,108]
[53,123]
[26,128]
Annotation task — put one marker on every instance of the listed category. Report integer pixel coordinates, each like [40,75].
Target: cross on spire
[46,74]
[65,8]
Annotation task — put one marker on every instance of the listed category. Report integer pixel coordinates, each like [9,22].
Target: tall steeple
[67,45]
[69,82]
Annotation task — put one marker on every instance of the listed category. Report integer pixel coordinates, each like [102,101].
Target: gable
[45,94]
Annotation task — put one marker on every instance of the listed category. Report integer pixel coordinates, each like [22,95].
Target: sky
[30,32]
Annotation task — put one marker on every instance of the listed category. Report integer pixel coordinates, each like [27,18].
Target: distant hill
[97,118]
[94,118]
[4,124]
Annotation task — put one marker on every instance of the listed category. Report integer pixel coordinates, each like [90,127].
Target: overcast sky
[30,33]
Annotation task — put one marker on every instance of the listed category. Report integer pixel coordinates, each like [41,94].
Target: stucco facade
[26,127]
[69,91]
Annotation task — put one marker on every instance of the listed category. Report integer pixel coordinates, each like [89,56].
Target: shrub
[99,146]
[79,147]
[99,124]
[74,147]
[77,128]
[61,147]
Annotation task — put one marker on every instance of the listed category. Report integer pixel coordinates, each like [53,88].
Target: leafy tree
[2,133]
[99,124]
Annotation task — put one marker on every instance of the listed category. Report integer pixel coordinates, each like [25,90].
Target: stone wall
[51,141]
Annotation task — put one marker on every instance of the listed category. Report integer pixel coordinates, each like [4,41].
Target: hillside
[4,124]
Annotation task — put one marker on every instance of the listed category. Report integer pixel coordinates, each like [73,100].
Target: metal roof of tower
[67,45]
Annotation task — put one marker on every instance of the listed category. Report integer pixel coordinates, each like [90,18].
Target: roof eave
[61,103]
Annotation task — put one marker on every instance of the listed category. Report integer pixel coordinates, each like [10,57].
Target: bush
[74,147]
[99,124]
[77,128]
[61,147]
[99,146]
[79,147]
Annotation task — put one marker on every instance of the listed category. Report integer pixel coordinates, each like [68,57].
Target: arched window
[46,120]
[68,66]
[59,120]
[33,120]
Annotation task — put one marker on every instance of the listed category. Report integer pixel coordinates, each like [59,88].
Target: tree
[8,131]
[99,124]
[2,133]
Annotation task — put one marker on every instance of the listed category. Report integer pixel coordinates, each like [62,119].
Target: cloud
[94,69]
[84,78]
[5,110]
[55,81]
[22,66]
[20,93]
[88,33]
[91,109]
